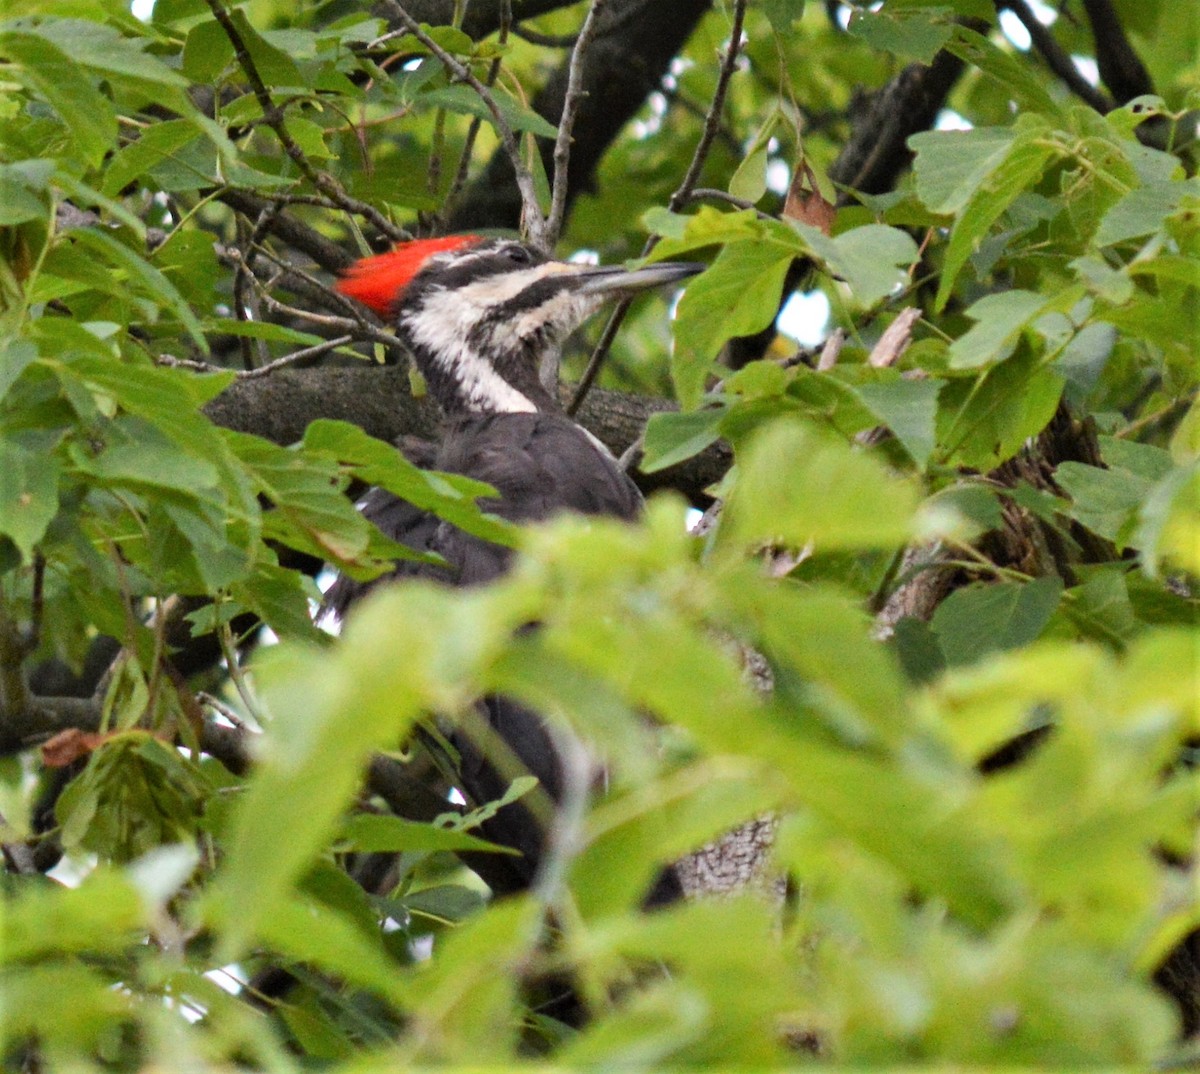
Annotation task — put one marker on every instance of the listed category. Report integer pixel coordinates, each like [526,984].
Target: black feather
[540,464]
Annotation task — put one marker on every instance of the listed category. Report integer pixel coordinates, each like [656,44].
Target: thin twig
[895,339]
[565,839]
[545,40]
[676,98]
[37,603]
[832,350]
[365,332]
[286,268]
[535,224]
[222,709]
[712,120]
[1161,416]
[705,193]
[266,220]
[712,124]
[314,351]
[273,115]
[572,100]
[241,276]
[464,161]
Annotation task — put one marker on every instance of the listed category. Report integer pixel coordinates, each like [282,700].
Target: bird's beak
[613,280]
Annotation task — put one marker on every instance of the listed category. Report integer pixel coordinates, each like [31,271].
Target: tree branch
[566,124]
[1056,56]
[708,134]
[1120,68]
[626,62]
[379,400]
[483,17]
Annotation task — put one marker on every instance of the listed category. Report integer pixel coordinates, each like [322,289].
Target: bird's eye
[518,255]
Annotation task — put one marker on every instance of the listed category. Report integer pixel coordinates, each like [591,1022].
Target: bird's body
[478,316]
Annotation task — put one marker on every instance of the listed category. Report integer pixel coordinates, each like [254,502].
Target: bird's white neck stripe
[482,387]
[439,328]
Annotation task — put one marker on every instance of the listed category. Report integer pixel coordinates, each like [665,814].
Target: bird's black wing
[540,464]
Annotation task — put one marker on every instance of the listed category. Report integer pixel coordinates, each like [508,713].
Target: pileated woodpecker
[478,316]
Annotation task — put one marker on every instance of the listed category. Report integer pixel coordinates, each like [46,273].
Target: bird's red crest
[379,281]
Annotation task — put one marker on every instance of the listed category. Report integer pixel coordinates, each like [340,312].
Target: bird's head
[478,314]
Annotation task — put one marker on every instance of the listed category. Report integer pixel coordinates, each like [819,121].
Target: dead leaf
[806,203]
[68,746]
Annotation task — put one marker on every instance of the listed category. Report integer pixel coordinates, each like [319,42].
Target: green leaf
[1101,607]
[281,598]
[749,181]
[737,296]
[638,834]
[465,101]
[22,191]
[55,77]
[143,456]
[796,485]
[102,914]
[449,496]
[1146,460]
[275,67]
[406,650]
[165,397]
[917,35]
[1020,169]
[141,272]
[68,1007]
[171,143]
[873,260]
[1106,501]
[1144,210]
[930,840]
[309,136]
[999,318]
[1170,521]
[207,52]
[985,618]
[672,436]
[310,932]
[950,166]
[28,495]
[16,356]
[102,48]
[783,14]
[983,422]
[1014,76]
[823,638]
[312,512]
[711,227]
[909,409]
[917,649]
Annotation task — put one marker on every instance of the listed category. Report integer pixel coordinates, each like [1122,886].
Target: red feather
[379,281]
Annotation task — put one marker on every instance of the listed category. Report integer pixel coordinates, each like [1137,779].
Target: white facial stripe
[486,389]
[557,315]
[439,327]
[492,290]
[445,319]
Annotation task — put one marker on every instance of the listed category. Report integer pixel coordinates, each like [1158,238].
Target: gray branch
[378,399]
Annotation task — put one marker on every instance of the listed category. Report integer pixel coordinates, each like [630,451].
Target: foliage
[940,913]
